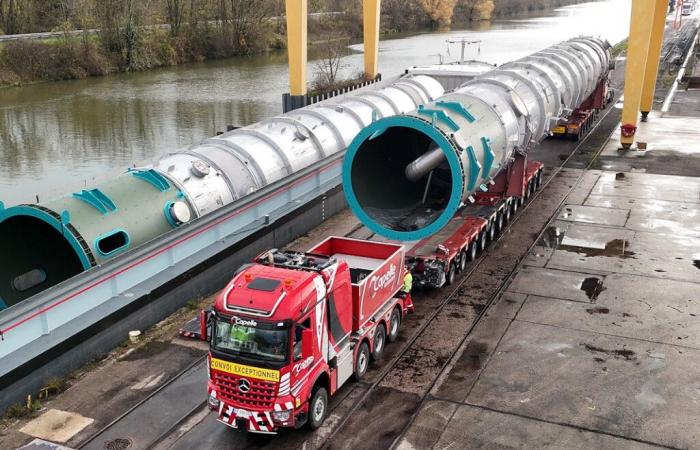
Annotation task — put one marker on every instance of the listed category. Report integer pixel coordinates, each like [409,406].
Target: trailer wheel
[538,181]
[462,261]
[507,212]
[492,231]
[451,274]
[318,407]
[500,222]
[394,323]
[472,250]
[482,241]
[361,361]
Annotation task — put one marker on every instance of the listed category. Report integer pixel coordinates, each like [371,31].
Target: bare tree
[174,10]
[326,69]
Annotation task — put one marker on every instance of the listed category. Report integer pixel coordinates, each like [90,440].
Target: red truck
[292,327]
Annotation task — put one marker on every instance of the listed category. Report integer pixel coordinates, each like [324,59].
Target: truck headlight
[213,401]
[282,416]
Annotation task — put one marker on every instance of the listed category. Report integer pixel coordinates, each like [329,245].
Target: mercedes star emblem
[243,385]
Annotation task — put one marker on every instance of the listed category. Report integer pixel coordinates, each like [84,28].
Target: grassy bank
[125,46]
[75,57]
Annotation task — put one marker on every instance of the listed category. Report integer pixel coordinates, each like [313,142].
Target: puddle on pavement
[592,286]
[615,248]
[553,237]
[598,310]
[627,355]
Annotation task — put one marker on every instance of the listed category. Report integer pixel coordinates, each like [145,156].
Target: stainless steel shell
[244,160]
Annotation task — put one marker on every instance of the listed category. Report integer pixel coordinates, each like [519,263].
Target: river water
[60,136]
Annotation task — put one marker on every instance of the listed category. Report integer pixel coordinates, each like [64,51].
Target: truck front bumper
[241,419]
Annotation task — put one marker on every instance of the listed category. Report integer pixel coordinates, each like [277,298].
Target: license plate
[242,413]
[559,130]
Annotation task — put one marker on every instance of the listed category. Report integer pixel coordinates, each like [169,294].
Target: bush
[59,60]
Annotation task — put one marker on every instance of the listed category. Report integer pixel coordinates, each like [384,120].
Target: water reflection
[56,137]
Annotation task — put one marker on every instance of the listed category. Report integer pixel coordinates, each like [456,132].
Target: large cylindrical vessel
[44,244]
[406,176]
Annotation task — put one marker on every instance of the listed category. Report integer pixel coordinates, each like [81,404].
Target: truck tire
[500,222]
[318,407]
[462,261]
[394,323]
[379,342]
[361,361]
[473,249]
[451,274]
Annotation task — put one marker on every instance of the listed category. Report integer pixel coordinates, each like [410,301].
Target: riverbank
[73,56]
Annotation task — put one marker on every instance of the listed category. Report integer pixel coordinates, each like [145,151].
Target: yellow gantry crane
[646,36]
[297,42]
[647,25]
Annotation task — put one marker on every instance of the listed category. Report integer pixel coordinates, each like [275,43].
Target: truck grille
[261,395]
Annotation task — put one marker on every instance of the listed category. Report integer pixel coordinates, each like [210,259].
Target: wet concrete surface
[594,343]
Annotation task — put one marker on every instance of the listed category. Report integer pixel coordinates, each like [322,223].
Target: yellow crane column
[371,11]
[637,53]
[652,70]
[296,48]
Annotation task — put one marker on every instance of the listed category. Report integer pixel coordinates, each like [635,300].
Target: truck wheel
[462,260]
[318,407]
[492,231]
[451,274]
[361,361]
[472,251]
[379,342]
[516,205]
[507,213]
[394,323]
[538,183]
[500,222]
[482,241]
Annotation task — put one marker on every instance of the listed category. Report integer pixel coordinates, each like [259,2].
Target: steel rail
[672,92]
[121,417]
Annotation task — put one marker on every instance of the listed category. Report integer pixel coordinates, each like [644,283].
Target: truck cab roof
[271,292]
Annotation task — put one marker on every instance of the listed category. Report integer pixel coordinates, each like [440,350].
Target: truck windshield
[251,339]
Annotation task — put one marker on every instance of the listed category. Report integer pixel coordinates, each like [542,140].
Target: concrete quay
[596,341]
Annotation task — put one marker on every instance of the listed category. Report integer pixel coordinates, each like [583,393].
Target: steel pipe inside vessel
[406,176]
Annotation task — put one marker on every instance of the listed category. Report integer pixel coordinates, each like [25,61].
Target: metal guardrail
[39,323]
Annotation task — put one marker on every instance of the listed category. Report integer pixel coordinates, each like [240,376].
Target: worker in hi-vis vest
[405,291]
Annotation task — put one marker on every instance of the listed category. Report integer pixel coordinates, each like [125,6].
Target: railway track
[362,232]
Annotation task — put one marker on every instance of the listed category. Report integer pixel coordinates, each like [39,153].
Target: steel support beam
[297,45]
[652,69]
[371,14]
[637,53]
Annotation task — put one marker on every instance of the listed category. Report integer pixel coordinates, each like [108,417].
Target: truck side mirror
[307,343]
[204,321]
